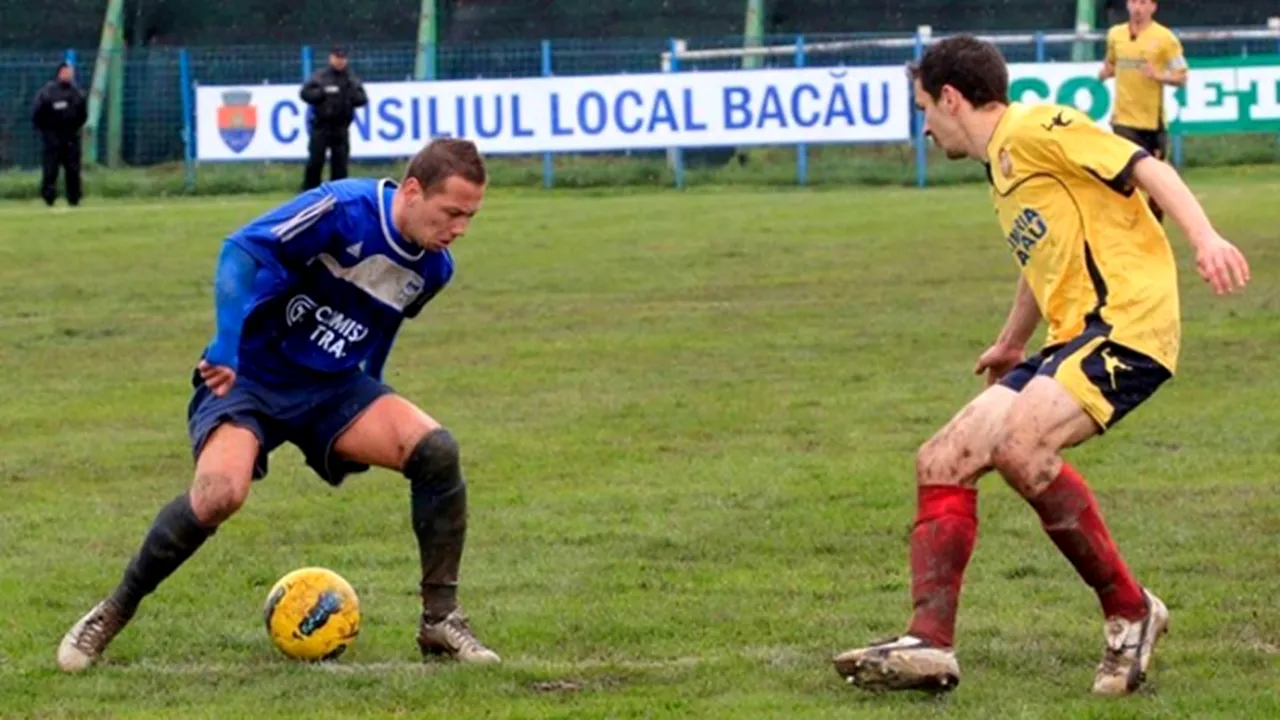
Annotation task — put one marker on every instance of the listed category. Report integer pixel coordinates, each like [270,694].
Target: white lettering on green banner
[1223,95]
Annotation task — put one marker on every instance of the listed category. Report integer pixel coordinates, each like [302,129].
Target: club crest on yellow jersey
[1028,229]
[1006,163]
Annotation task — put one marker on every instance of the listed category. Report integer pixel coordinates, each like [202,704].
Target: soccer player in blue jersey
[309,298]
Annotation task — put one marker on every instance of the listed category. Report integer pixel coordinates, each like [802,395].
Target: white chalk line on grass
[392,667]
[782,655]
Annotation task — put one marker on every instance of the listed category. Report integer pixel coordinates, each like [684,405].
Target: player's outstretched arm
[1010,346]
[1220,263]
[233,286]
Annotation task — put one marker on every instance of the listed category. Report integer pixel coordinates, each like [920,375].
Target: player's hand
[1221,264]
[218,378]
[1151,72]
[997,361]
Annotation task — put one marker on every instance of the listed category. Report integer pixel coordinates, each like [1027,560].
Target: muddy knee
[928,459]
[942,462]
[1027,465]
[215,497]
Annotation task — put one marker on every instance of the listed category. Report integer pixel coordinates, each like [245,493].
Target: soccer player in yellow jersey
[1097,266]
[1143,56]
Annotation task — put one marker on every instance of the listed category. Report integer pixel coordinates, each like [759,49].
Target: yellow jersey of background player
[1098,263]
[1143,56]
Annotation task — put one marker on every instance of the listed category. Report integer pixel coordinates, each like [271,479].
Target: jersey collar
[406,250]
[1001,133]
[1135,34]
[999,161]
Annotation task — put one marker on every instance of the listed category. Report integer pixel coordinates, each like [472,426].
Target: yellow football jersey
[1087,245]
[1139,99]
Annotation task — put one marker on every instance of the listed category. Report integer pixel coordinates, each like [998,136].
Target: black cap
[338,51]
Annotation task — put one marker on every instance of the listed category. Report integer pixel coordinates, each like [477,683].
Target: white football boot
[1130,647]
[452,637]
[84,642]
[903,663]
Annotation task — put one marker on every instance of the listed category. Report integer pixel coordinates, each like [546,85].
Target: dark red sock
[941,543]
[1070,516]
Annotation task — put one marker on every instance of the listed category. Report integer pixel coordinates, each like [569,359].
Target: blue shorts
[310,416]
[1107,380]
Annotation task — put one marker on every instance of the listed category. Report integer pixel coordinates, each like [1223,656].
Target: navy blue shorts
[1107,380]
[310,416]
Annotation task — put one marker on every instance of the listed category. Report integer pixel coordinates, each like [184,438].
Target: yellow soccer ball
[312,614]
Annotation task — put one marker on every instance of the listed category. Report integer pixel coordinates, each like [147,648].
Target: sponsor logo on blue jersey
[332,330]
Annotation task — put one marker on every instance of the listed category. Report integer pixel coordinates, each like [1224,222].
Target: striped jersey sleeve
[293,234]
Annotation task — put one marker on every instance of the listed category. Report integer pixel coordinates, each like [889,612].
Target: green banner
[1222,95]
[1229,95]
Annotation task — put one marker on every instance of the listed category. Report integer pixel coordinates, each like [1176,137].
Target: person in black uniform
[334,93]
[59,113]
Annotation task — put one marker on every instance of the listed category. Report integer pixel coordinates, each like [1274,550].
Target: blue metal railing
[160,109]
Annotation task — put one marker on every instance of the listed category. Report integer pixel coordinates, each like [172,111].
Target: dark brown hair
[975,68]
[444,158]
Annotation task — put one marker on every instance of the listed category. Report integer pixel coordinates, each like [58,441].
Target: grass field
[688,424]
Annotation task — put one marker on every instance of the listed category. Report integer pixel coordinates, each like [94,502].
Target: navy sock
[175,535]
[438,498]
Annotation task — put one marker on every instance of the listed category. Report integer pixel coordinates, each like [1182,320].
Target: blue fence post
[677,154]
[922,158]
[1040,49]
[548,164]
[188,127]
[429,60]
[1177,149]
[307,62]
[802,150]
[70,57]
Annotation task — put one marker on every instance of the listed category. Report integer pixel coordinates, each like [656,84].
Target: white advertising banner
[573,114]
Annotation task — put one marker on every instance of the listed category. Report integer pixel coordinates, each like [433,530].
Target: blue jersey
[334,281]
